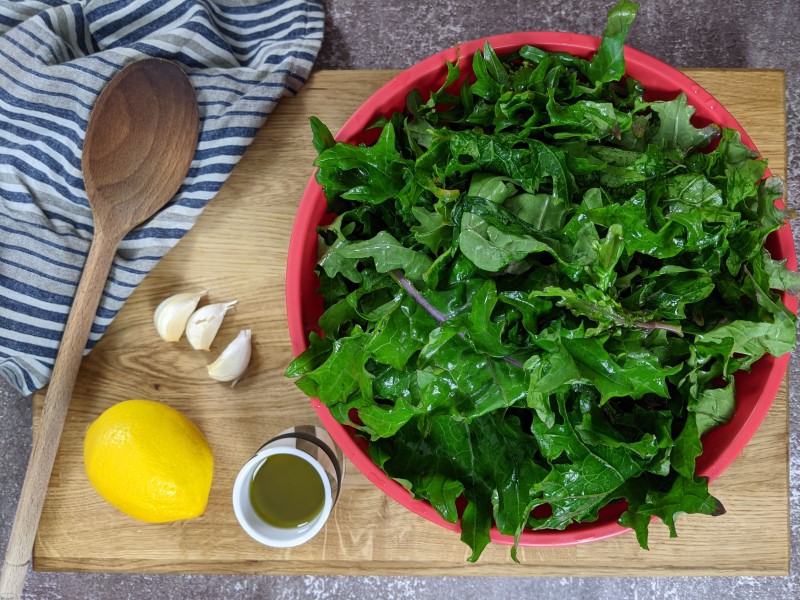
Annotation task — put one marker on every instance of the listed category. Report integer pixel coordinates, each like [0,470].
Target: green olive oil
[286,491]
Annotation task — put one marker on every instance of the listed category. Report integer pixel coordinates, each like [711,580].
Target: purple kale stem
[511,361]
[436,314]
[412,291]
[676,329]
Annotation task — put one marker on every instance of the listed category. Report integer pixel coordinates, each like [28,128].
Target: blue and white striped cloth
[241,56]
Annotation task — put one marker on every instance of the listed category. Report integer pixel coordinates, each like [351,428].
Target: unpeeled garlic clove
[173,313]
[233,361]
[204,324]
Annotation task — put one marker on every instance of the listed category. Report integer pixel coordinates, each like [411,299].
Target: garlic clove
[203,325]
[233,361]
[172,314]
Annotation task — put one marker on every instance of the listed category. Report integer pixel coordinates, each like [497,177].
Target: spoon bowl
[139,144]
[140,141]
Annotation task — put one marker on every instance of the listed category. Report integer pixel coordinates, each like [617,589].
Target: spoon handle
[54,413]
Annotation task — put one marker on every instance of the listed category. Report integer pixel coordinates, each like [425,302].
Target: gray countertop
[363,34]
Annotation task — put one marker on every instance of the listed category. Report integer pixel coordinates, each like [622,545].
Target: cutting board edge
[388,568]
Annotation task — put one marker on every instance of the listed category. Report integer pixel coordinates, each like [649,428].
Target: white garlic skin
[203,325]
[233,361]
[173,313]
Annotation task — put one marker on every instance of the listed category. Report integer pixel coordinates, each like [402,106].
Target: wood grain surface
[238,250]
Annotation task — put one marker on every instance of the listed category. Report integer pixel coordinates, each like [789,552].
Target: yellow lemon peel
[149,461]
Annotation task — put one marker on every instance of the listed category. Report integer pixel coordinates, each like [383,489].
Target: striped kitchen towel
[241,56]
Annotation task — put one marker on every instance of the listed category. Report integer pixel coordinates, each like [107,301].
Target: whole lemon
[150,461]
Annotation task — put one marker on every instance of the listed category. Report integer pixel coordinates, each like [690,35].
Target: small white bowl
[321,454]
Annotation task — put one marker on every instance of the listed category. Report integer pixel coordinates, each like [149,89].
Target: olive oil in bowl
[283,496]
[286,491]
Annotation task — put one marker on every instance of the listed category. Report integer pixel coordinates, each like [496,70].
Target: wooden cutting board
[238,250]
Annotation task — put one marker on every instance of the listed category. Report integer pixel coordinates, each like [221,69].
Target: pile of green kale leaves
[537,290]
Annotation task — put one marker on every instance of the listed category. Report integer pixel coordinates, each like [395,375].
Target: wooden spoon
[140,141]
